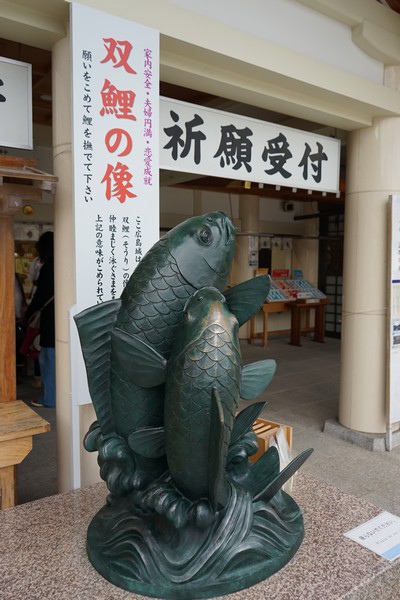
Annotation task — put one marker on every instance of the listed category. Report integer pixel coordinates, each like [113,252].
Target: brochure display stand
[296,296]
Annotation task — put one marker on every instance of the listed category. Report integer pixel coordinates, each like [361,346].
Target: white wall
[293,26]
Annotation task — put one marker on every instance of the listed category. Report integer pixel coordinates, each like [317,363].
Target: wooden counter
[300,306]
[267,308]
[18,423]
[296,308]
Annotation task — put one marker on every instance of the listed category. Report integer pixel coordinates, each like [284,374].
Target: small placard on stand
[381,535]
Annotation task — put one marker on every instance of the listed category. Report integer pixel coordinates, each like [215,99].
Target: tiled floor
[303,394]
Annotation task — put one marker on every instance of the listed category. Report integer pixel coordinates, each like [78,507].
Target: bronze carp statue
[188,514]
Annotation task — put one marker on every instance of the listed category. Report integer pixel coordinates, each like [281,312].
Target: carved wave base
[246,543]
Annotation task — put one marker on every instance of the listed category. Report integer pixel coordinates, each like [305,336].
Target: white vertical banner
[115,149]
[115,99]
[393,318]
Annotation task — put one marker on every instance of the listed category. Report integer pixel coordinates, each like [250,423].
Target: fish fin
[270,488]
[246,299]
[245,419]
[143,365]
[217,483]
[95,325]
[256,377]
[148,442]
[263,472]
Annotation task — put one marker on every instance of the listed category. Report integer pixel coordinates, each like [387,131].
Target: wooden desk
[267,307]
[296,309]
[18,423]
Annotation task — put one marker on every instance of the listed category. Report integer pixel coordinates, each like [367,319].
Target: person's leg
[42,365]
[37,382]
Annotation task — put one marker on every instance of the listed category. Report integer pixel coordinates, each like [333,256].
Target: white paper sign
[197,139]
[381,535]
[115,147]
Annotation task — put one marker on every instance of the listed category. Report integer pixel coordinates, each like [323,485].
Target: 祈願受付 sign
[196,139]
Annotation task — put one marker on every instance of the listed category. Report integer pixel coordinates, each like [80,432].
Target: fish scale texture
[151,309]
[153,300]
[213,361]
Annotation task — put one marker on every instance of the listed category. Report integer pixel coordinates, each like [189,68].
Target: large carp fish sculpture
[188,514]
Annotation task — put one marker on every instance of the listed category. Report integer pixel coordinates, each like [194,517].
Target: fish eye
[205,236]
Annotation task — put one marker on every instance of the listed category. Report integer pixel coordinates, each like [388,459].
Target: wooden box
[264,431]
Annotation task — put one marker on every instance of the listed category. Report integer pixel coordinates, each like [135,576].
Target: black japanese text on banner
[196,139]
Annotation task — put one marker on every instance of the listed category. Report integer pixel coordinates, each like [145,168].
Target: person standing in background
[20,309]
[34,272]
[43,300]
[33,277]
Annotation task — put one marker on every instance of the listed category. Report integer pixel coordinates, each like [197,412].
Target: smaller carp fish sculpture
[188,514]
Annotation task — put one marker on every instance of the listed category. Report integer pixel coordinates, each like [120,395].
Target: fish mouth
[229,228]
[220,274]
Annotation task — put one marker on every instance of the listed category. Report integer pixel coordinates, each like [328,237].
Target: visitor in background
[20,309]
[34,272]
[43,299]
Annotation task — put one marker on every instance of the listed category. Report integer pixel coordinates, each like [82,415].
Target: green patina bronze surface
[189,515]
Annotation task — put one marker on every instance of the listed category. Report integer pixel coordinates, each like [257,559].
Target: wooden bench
[18,423]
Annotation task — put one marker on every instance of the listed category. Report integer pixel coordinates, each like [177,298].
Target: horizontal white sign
[196,139]
[15,104]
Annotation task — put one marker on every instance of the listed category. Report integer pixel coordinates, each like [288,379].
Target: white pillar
[249,223]
[373,174]
[68,477]
[305,251]
[241,271]
[64,258]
